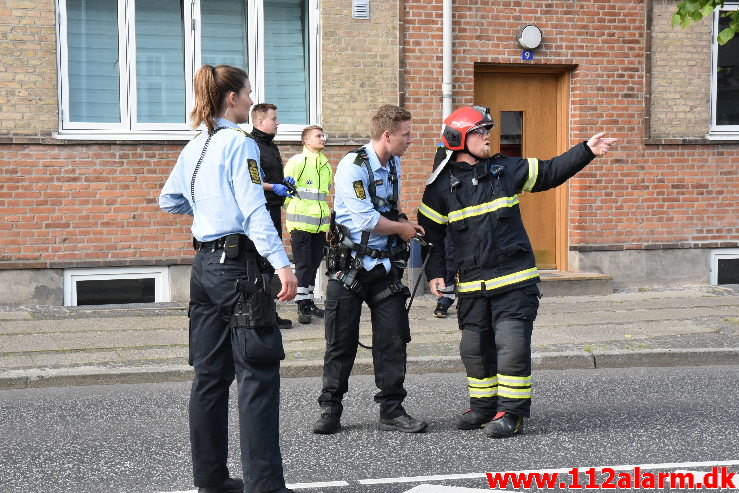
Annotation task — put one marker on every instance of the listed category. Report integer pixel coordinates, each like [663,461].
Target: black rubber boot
[504,425]
[472,420]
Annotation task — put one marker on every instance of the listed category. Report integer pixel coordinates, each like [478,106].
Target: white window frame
[720,254]
[160,274]
[719,132]
[127,129]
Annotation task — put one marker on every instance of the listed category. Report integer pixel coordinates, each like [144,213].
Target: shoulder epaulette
[361,153]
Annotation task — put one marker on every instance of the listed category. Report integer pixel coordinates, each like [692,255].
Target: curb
[570,360]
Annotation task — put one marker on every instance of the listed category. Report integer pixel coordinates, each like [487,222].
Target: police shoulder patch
[359,190]
[254,171]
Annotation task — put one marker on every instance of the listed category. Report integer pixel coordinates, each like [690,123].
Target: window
[725,80]
[725,266]
[126,67]
[116,285]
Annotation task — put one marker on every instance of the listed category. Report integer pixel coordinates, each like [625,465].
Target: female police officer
[232,316]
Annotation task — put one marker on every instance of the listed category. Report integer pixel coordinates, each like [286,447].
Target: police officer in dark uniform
[233,332]
[476,197]
[366,258]
[264,122]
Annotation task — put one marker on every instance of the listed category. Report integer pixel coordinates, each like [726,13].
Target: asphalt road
[133,438]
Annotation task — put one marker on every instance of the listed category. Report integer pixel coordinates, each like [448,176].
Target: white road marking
[325,484]
[420,479]
[436,488]
[677,466]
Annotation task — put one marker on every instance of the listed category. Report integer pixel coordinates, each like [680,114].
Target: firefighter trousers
[496,349]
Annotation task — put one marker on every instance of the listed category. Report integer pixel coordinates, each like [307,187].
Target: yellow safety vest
[313,175]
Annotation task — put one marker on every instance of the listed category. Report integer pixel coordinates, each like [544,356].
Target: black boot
[472,420]
[283,323]
[504,425]
[304,312]
[230,485]
[314,310]
[327,424]
[442,307]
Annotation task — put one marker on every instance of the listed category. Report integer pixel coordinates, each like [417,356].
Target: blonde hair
[387,118]
[212,85]
[308,130]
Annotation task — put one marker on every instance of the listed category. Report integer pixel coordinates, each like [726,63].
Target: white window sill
[723,135]
[286,135]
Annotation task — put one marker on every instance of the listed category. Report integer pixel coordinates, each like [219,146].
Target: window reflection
[511,133]
[727,79]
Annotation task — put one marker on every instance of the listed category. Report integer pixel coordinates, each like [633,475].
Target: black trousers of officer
[307,255]
[496,340]
[217,354]
[390,336]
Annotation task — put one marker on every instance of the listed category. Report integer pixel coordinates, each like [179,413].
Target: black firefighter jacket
[479,203]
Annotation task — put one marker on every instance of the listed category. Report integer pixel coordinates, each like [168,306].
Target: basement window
[725,266]
[116,286]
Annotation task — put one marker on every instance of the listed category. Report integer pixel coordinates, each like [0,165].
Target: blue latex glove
[290,180]
[280,190]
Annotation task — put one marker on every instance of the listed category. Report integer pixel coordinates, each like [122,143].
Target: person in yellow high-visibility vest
[308,216]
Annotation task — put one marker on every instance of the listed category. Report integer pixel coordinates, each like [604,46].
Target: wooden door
[529,106]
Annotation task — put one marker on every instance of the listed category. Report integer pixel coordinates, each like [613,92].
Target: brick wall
[680,75]
[28,90]
[359,66]
[642,195]
[93,205]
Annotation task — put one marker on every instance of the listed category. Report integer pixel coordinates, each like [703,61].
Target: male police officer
[366,265]
[264,122]
[476,197]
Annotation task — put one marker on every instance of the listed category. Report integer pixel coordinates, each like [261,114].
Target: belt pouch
[231,246]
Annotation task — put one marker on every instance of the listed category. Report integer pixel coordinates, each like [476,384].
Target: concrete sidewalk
[50,346]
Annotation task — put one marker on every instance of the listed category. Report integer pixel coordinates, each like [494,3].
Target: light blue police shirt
[227,199]
[357,213]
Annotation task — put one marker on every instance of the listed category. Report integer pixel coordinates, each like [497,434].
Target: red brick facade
[646,194]
[92,204]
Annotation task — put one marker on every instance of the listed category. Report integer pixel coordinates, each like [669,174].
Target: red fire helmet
[462,121]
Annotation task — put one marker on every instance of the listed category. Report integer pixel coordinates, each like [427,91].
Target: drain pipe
[446,78]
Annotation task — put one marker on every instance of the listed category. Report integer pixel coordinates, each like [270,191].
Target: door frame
[563,120]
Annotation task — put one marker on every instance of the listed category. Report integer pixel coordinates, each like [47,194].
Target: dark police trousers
[496,349]
[217,354]
[307,255]
[390,335]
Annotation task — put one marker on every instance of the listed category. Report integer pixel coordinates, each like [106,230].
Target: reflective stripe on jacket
[313,175]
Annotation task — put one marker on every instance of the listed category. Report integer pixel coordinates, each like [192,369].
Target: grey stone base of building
[592,272]
[635,268]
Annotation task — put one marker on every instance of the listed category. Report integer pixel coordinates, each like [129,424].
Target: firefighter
[475,196]
[365,263]
[307,217]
